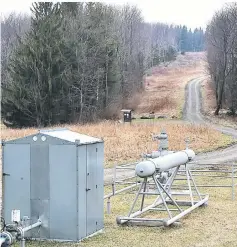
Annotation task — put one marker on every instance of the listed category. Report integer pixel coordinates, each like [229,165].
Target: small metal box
[127,115]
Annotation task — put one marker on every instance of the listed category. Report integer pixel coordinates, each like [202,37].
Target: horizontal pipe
[213,176]
[124,183]
[221,171]
[213,164]
[124,168]
[214,186]
[139,219]
[148,167]
[120,191]
[124,189]
[141,212]
[164,209]
[127,178]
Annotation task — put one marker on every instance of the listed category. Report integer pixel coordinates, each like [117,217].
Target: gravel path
[192,113]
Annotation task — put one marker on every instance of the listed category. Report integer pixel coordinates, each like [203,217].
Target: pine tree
[184,39]
[37,92]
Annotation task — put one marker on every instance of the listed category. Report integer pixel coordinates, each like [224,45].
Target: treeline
[222,56]
[191,40]
[77,62]
[165,41]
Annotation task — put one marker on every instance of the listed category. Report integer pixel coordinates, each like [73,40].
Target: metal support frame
[165,198]
[199,170]
[207,170]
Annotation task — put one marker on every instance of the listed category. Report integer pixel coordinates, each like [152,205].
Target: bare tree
[221,54]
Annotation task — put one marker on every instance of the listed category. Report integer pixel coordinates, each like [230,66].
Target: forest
[80,62]
[221,45]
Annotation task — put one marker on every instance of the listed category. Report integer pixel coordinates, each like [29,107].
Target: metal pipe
[23,243]
[119,191]
[177,217]
[26,229]
[143,196]
[157,202]
[233,183]
[121,220]
[2,240]
[189,186]
[220,171]
[200,198]
[108,206]
[148,167]
[134,202]
[122,190]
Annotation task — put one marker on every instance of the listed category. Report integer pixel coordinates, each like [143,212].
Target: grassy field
[125,142]
[160,96]
[211,226]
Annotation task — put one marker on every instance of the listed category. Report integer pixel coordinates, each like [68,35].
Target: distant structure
[127,115]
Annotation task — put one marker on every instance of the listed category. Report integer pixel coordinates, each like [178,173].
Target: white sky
[193,13]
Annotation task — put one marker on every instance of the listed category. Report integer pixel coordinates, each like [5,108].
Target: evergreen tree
[37,69]
[184,39]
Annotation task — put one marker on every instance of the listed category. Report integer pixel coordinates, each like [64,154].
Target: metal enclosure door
[91,189]
[63,192]
[16,179]
[82,193]
[39,189]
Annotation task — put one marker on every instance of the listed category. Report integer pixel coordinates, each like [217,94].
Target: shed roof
[68,135]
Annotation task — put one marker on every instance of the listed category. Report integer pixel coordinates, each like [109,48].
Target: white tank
[148,167]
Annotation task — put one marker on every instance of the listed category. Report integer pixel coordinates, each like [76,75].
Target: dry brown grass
[209,106]
[165,87]
[125,142]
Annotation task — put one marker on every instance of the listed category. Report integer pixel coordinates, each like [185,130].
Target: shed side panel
[81,192]
[63,192]
[100,187]
[16,182]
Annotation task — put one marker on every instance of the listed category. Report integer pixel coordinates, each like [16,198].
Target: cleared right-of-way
[192,113]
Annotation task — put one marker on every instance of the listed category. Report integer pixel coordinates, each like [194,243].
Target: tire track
[193,115]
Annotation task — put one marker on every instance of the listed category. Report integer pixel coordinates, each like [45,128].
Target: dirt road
[192,113]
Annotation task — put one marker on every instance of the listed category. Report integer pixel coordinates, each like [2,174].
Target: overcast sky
[193,13]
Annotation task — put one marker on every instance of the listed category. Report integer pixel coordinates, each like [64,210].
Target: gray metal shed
[57,176]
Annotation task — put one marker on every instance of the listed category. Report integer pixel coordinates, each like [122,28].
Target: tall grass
[165,86]
[125,142]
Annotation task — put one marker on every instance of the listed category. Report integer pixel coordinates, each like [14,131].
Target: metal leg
[169,183]
[195,186]
[189,186]
[22,242]
[169,196]
[134,202]
[143,195]
[114,180]
[162,197]
[108,206]
[233,183]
